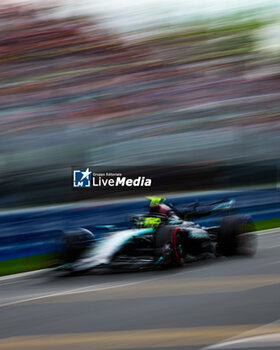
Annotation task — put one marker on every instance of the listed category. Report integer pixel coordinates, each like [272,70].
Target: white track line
[259,341]
[246,338]
[274,246]
[22,275]
[268,232]
[87,289]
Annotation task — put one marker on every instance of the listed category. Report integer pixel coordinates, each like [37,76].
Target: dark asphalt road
[190,308]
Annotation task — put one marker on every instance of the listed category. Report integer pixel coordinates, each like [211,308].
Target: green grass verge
[37,262]
[267,224]
[30,263]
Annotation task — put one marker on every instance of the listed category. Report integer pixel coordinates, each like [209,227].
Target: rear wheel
[247,240]
[237,236]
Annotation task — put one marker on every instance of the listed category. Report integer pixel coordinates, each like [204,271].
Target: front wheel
[179,249]
[73,244]
[171,245]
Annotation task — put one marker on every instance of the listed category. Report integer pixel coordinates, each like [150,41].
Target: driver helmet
[157,206]
[162,209]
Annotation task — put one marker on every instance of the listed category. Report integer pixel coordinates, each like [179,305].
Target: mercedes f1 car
[167,235]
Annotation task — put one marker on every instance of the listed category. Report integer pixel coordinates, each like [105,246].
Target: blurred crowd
[72,91]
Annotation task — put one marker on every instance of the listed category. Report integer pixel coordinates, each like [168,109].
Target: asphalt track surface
[226,303]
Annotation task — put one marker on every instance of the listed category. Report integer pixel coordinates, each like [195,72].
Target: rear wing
[197,209]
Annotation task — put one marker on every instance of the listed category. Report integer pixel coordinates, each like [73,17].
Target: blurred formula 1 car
[162,237]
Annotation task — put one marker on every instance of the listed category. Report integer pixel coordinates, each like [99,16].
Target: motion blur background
[149,84]
[185,92]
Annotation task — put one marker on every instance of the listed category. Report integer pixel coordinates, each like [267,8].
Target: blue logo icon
[81,178]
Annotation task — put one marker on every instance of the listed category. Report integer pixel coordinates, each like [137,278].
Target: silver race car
[166,235]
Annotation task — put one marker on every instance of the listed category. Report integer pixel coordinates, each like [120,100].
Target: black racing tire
[236,236]
[74,243]
[170,243]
